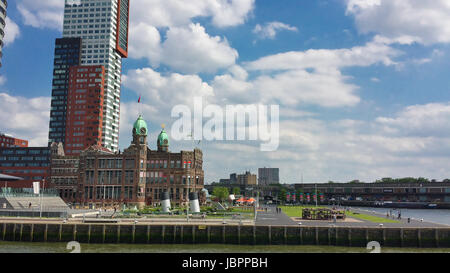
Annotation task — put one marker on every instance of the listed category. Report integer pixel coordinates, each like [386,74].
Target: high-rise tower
[102,26]
[3,6]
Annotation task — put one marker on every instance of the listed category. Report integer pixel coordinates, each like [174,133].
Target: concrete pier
[227,234]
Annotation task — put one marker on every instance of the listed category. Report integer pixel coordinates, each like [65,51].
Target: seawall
[227,234]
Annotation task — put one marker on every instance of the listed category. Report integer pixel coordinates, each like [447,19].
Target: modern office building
[3,6]
[84,108]
[7,141]
[268,176]
[67,54]
[229,181]
[30,163]
[102,26]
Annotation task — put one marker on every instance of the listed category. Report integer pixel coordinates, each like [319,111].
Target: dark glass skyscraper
[67,54]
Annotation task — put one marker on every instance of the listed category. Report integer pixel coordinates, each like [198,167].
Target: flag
[139,100]
[36,187]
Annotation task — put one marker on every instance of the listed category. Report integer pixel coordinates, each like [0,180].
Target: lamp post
[187,209]
[40,201]
[316,194]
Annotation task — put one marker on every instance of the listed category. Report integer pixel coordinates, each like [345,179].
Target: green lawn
[296,211]
[371,218]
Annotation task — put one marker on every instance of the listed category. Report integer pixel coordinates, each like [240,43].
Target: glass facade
[67,54]
[122,26]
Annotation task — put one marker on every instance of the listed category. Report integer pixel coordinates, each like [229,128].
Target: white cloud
[301,87]
[168,13]
[424,21]
[25,118]
[311,77]
[372,53]
[166,91]
[12,32]
[419,120]
[290,89]
[42,14]
[269,30]
[186,49]
[343,150]
[192,50]
[145,42]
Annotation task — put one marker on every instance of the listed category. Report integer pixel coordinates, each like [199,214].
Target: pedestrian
[409,220]
[29,205]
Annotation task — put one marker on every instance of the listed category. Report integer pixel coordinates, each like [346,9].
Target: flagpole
[139,106]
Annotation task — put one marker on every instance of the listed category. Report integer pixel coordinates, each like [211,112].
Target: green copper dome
[163,139]
[140,127]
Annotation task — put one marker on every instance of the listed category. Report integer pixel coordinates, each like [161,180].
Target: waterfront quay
[228,232]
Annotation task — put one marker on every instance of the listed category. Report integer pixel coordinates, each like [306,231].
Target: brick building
[64,172]
[84,108]
[135,177]
[30,163]
[7,141]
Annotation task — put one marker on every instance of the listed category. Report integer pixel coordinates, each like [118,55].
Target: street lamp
[187,209]
[42,192]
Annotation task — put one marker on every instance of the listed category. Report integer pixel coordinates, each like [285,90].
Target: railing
[9,192]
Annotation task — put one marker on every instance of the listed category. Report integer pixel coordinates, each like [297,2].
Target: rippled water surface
[440,216]
[20,247]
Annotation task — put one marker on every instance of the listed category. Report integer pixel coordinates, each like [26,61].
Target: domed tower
[163,141]
[140,131]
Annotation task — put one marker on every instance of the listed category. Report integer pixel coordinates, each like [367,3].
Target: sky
[362,85]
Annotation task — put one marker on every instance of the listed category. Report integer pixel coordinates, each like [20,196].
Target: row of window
[8,164]
[108,193]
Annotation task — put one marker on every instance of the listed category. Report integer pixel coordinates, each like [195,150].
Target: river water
[21,247]
[440,216]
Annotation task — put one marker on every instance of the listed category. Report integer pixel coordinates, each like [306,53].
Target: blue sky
[362,85]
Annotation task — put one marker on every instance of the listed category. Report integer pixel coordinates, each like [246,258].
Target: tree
[236,190]
[354,182]
[221,192]
[282,195]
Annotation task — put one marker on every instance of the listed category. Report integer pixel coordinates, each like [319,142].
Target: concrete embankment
[225,234]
